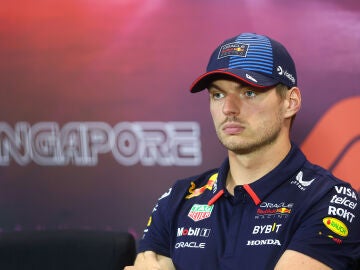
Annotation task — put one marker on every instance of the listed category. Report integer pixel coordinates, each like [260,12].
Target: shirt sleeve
[330,231]
[156,235]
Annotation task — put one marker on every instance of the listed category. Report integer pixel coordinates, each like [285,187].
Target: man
[266,207]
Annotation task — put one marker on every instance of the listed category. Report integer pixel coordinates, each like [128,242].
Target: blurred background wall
[96,118]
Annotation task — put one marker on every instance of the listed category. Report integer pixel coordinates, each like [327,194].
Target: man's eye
[250,93]
[217,95]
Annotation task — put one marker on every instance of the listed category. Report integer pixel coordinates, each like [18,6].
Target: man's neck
[247,168]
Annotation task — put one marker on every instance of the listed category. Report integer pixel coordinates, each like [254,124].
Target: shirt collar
[262,187]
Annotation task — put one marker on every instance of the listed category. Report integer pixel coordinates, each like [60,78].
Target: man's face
[245,118]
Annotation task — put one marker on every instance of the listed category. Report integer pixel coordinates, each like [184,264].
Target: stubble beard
[257,139]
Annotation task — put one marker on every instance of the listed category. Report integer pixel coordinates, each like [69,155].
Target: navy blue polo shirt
[297,206]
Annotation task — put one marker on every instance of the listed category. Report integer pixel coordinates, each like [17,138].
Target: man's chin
[237,147]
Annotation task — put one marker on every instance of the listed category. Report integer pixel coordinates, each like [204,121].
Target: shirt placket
[238,203]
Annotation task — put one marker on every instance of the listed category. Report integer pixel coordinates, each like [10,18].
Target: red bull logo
[283,210]
[233,49]
[198,191]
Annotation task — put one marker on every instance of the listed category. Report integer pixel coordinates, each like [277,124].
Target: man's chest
[230,233]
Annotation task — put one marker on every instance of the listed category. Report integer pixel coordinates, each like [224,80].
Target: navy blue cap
[252,58]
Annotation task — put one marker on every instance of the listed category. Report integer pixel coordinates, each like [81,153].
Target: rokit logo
[341,212]
[193,232]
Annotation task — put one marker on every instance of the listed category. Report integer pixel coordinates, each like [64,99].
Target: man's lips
[232,128]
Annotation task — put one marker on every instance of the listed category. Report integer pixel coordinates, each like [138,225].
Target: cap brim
[249,77]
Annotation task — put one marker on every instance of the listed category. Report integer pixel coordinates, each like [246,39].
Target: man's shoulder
[312,184]
[325,177]
[186,188]
[318,184]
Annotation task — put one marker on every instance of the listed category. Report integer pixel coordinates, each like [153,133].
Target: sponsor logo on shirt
[276,205]
[275,211]
[341,212]
[266,229]
[335,239]
[189,245]
[342,203]
[162,197]
[154,210]
[264,242]
[198,191]
[346,191]
[269,210]
[203,232]
[336,226]
[165,194]
[200,211]
[149,221]
[301,183]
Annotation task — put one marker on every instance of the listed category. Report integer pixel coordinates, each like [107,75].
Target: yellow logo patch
[336,226]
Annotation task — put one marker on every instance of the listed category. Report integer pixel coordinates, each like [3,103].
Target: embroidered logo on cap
[233,49]
[251,78]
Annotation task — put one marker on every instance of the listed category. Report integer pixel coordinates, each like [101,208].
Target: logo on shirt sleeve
[343,203]
[336,226]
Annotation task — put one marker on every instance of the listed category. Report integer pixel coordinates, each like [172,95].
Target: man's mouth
[232,128]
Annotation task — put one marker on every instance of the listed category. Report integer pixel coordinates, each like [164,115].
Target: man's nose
[231,105]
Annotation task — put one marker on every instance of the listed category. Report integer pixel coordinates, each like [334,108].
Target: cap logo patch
[251,78]
[233,49]
[285,73]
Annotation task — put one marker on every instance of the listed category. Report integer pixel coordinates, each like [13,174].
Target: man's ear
[293,102]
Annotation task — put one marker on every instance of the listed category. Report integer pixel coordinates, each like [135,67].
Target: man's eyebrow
[212,85]
[217,87]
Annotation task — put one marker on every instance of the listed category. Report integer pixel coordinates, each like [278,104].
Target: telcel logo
[336,226]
